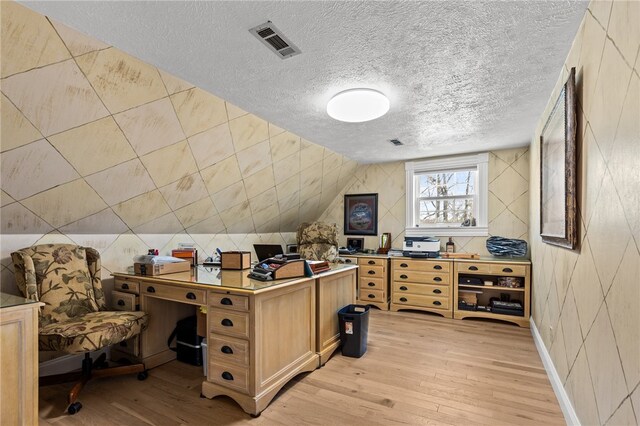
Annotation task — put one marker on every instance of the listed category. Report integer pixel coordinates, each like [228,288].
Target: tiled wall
[508,200]
[586,303]
[101,149]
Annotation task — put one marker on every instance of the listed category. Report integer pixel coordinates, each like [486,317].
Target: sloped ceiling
[96,141]
[462,76]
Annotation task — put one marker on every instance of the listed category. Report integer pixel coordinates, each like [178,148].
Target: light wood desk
[19,360]
[259,334]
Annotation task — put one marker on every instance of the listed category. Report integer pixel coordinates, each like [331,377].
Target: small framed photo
[361,214]
[292,248]
[356,244]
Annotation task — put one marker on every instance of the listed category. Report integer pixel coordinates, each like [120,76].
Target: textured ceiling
[462,76]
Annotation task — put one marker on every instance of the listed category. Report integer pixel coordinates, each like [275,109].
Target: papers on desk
[156,260]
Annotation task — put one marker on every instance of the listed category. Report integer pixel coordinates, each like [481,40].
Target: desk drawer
[129,346]
[179,294]
[124,301]
[227,322]
[228,376]
[419,300]
[367,295]
[367,283]
[422,277]
[509,270]
[229,301]
[372,261]
[371,271]
[125,284]
[350,260]
[474,268]
[424,289]
[229,349]
[421,265]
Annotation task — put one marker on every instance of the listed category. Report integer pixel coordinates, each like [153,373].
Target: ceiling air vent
[395,142]
[273,38]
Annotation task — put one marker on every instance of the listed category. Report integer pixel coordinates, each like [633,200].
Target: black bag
[188,343]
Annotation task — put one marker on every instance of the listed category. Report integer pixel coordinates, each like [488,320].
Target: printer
[421,247]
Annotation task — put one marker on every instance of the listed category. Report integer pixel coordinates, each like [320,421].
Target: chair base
[90,370]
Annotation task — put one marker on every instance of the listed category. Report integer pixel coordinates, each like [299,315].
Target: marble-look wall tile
[254,159]
[212,146]
[259,182]
[102,141]
[169,164]
[121,81]
[17,219]
[66,203]
[151,126]
[28,40]
[195,212]
[248,130]
[34,168]
[16,129]
[142,209]
[221,175]
[5,199]
[184,191]
[121,182]
[77,43]
[69,98]
[198,110]
[174,84]
[234,111]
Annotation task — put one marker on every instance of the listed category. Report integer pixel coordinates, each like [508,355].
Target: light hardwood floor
[419,369]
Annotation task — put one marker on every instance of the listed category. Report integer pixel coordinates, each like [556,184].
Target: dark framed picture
[558,201]
[356,244]
[361,214]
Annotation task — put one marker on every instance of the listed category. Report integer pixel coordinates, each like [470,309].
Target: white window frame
[480,162]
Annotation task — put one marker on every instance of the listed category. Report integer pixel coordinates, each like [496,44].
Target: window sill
[453,231]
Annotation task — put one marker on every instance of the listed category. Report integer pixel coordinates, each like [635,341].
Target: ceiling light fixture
[358,105]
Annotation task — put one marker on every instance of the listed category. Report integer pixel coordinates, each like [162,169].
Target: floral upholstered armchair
[74,318]
[318,241]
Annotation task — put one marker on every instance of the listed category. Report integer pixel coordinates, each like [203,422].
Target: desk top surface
[211,277]
[8,300]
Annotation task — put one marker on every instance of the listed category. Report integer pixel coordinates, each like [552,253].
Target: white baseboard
[569,413]
[66,363]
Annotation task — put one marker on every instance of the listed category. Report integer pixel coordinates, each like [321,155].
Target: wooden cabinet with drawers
[373,281]
[478,272]
[125,297]
[422,284]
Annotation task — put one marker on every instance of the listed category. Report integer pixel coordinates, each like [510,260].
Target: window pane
[461,182]
[445,211]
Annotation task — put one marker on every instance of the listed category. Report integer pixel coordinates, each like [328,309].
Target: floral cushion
[318,241]
[91,331]
[65,277]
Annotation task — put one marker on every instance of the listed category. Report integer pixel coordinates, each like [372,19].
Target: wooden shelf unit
[492,270]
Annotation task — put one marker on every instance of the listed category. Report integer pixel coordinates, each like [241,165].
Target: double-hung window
[447,196]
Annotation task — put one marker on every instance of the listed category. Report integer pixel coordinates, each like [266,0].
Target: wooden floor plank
[419,369]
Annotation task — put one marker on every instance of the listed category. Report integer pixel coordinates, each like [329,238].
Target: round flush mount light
[358,105]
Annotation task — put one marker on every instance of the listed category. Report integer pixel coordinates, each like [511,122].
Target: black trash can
[354,327]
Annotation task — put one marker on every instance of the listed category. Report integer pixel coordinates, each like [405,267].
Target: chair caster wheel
[255,416]
[74,408]
[143,375]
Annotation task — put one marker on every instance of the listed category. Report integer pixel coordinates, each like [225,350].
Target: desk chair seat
[318,241]
[74,318]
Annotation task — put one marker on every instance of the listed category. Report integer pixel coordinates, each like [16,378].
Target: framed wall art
[361,214]
[558,201]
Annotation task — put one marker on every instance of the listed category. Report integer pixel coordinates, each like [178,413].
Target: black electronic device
[507,308]
[470,281]
[421,254]
[265,251]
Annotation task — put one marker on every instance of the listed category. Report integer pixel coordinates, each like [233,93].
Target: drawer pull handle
[438,267]
[437,291]
[150,289]
[403,299]
[438,279]
[371,296]
[120,302]
[371,284]
[437,303]
[507,270]
[125,286]
[404,265]
[473,268]
[226,301]
[227,376]
[191,296]
[403,288]
[372,262]
[348,261]
[227,322]
[403,276]
[226,350]
[371,272]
